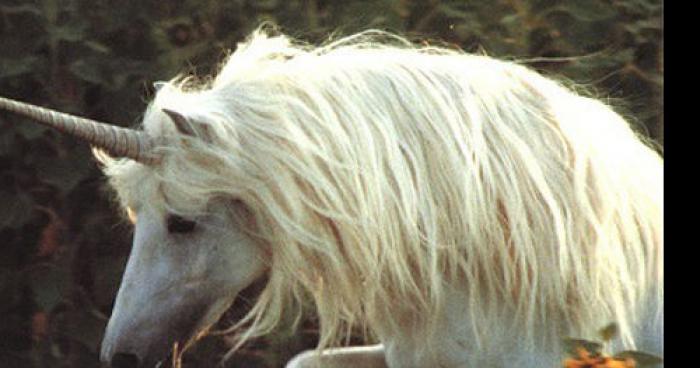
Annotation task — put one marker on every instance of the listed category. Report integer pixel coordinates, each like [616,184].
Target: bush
[64,247]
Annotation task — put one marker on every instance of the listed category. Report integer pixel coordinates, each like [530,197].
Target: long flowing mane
[380,175]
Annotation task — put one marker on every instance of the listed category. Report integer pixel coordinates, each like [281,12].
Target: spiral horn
[117,141]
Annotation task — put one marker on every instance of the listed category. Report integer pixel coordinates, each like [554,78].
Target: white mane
[379,174]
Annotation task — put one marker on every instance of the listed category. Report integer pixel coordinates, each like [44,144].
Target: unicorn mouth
[154,343]
[178,348]
[188,331]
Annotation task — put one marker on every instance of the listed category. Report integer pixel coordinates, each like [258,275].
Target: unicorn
[459,210]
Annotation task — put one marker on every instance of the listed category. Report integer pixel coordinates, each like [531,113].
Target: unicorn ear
[182,124]
[158,85]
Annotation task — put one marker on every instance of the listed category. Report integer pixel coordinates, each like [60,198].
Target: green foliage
[643,360]
[586,353]
[64,245]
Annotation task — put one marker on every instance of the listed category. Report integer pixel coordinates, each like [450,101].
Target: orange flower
[585,360]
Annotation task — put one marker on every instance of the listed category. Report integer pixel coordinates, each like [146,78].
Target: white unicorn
[463,211]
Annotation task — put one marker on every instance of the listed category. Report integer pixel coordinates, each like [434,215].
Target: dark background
[63,245]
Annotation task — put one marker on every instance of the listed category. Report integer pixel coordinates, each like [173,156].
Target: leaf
[609,332]
[10,287]
[107,278]
[7,144]
[265,5]
[84,327]
[88,72]
[586,11]
[65,172]
[49,284]
[452,11]
[97,46]
[14,67]
[69,32]
[27,128]
[572,346]
[510,20]
[49,241]
[18,9]
[642,359]
[40,326]
[16,209]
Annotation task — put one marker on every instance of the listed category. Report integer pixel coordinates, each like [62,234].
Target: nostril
[124,360]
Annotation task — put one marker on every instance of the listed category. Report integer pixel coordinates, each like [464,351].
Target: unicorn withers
[463,211]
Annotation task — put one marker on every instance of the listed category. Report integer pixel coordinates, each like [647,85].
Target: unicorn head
[184,270]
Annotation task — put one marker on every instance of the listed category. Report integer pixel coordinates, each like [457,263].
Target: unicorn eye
[180,225]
